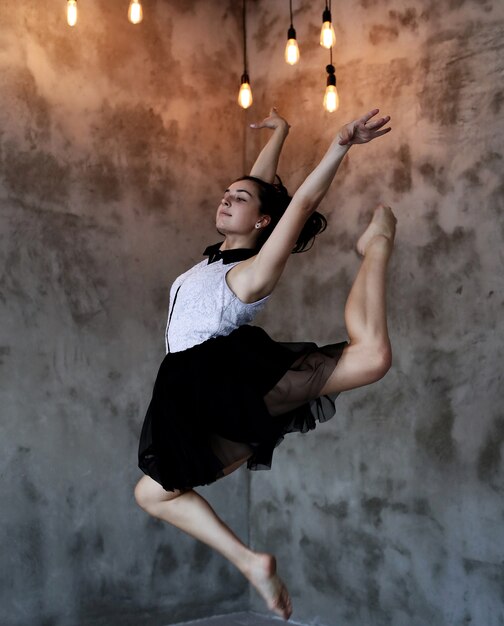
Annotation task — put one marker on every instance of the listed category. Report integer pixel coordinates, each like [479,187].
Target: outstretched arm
[257,277]
[314,188]
[266,163]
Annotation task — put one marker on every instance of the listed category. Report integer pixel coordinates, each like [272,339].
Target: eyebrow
[242,190]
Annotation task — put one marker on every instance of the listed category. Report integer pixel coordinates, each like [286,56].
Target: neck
[233,242]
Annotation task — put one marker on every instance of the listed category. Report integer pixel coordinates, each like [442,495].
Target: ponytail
[274,200]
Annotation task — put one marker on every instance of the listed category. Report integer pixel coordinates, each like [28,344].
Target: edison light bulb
[245,95]
[327,35]
[135,12]
[292,48]
[292,52]
[331,99]
[72,12]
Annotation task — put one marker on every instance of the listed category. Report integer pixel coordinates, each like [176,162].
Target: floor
[237,619]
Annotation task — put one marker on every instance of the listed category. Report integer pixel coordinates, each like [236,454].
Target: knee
[143,495]
[149,495]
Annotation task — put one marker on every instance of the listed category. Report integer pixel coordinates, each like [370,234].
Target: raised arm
[266,163]
[257,277]
[314,188]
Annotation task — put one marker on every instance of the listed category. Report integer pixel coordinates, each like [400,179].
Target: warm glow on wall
[135,12]
[292,55]
[72,12]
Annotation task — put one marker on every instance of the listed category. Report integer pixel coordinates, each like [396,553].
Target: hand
[273,121]
[363,129]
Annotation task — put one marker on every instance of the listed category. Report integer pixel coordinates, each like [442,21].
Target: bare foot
[263,576]
[383,224]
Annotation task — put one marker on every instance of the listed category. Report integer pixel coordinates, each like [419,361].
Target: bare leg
[194,515]
[368,356]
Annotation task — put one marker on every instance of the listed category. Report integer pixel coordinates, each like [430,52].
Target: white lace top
[203,306]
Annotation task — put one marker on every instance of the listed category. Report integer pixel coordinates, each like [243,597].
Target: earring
[258,225]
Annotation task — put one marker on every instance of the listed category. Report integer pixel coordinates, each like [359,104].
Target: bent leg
[368,356]
[191,513]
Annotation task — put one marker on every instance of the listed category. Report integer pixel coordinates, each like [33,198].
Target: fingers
[273,120]
[367,116]
[264,123]
[375,124]
[379,133]
[378,123]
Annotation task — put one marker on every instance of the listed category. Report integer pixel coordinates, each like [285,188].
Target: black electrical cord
[244,37]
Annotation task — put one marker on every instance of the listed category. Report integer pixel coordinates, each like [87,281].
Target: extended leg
[368,355]
[194,515]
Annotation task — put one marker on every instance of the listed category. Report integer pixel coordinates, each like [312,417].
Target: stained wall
[392,513]
[115,145]
[109,170]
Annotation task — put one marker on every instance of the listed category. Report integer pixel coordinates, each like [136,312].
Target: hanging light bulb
[292,48]
[72,12]
[245,94]
[331,97]
[327,34]
[135,12]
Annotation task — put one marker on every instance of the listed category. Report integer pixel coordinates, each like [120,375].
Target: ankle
[255,562]
[247,561]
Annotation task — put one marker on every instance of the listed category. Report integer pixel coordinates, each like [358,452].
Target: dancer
[226,393]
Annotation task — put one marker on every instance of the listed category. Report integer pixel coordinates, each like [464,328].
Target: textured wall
[392,514]
[115,144]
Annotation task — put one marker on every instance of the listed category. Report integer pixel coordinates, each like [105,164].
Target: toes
[284,604]
[287,608]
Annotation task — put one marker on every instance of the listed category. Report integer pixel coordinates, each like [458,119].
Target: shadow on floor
[238,619]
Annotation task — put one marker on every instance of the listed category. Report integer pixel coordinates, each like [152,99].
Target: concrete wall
[115,144]
[392,514]
[111,161]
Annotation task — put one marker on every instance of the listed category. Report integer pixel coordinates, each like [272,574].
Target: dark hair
[275,199]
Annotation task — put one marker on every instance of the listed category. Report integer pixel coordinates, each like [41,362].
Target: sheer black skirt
[229,398]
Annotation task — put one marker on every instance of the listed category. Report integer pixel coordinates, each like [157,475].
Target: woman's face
[239,209]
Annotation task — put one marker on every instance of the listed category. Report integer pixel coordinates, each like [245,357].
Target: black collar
[227,256]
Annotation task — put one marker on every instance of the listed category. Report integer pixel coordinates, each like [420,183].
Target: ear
[264,220]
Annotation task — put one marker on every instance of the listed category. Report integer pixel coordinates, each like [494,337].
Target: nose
[225,201]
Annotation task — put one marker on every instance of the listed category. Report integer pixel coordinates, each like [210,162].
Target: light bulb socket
[291,33]
[245,78]
[326,16]
[331,75]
